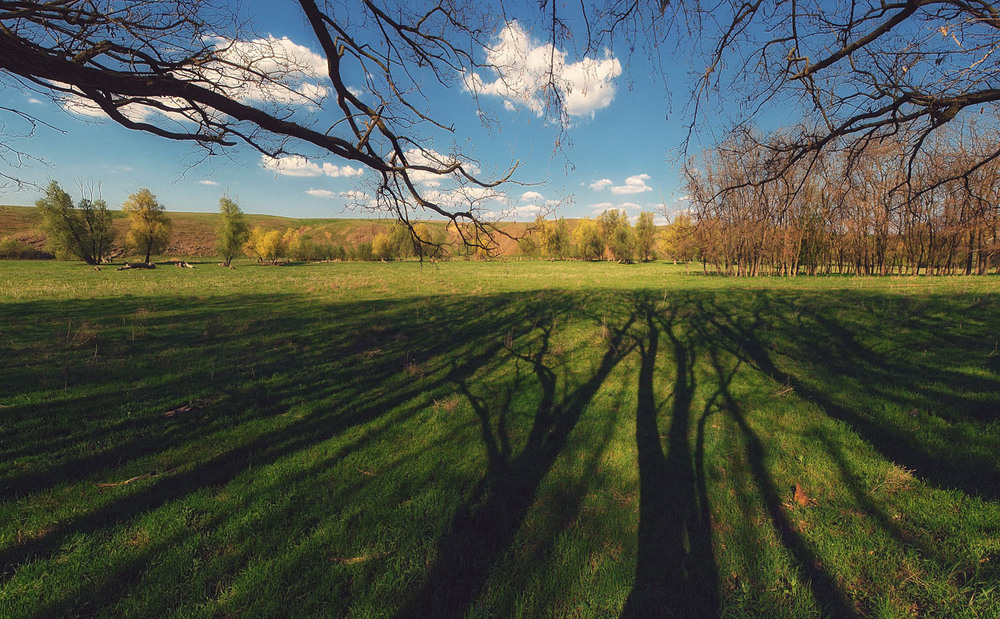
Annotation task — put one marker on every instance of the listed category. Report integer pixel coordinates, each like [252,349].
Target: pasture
[496,439]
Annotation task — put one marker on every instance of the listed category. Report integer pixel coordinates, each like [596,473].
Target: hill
[194,233]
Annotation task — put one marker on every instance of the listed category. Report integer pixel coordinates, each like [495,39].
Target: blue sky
[618,146]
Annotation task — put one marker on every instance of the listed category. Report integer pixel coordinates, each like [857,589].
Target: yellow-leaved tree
[149,227]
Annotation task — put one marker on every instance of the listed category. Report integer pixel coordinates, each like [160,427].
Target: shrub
[13,249]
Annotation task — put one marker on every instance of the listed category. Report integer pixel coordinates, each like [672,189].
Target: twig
[358,559]
[181,409]
[136,478]
[127,481]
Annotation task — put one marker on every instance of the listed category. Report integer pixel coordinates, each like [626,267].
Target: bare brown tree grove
[870,212]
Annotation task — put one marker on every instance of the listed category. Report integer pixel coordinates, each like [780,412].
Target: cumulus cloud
[430,158]
[526,70]
[322,193]
[531,196]
[633,184]
[604,183]
[209,183]
[464,196]
[81,106]
[264,70]
[267,69]
[296,165]
[529,211]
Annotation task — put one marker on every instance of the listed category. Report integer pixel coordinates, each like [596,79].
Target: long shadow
[485,525]
[841,357]
[260,450]
[823,585]
[675,567]
[239,396]
[675,570]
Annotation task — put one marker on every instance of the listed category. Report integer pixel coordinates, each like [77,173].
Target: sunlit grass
[496,439]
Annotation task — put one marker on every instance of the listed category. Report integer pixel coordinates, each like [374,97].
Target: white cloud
[81,106]
[531,196]
[633,184]
[463,196]
[355,196]
[601,207]
[210,183]
[430,158]
[525,70]
[296,165]
[34,101]
[604,183]
[322,193]
[529,211]
[267,69]
[630,206]
[345,170]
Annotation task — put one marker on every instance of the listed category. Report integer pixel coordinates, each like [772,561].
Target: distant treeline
[884,211]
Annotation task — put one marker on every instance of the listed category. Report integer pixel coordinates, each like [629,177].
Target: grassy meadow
[496,439]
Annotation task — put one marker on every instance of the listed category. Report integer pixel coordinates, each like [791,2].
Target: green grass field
[496,439]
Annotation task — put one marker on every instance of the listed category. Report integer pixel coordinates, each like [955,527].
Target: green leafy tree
[645,235]
[623,243]
[429,242]
[527,247]
[553,237]
[392,243]
[84,232]
[608,221]
[587,236]
[232,232]
[384,246]
[618,234]
[364,252]
[149,231]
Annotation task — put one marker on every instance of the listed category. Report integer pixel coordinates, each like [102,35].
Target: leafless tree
[190,70]
[861,70]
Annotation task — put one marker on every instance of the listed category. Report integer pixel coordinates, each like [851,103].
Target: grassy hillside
[194,233]
[496,439]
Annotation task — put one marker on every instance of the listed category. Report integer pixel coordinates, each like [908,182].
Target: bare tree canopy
[191,70]
[859,71]
[183,70]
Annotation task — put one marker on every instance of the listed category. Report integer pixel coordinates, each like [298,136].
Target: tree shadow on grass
[333,389]
[675,565]
[298,375]
[824,362]
[823,586]
[485,525]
